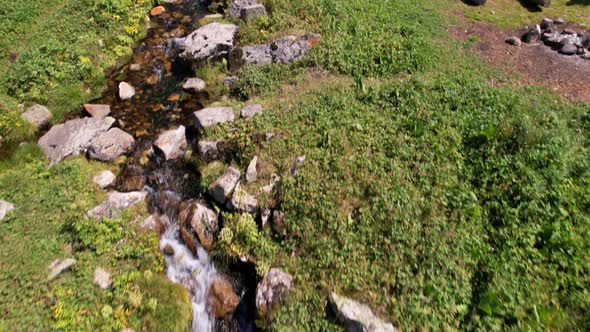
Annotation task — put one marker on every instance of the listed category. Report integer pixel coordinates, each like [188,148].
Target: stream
[158,73]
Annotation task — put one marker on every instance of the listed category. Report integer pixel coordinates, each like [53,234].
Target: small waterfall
[195,273]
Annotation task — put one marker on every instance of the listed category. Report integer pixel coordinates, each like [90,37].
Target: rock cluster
[565,41]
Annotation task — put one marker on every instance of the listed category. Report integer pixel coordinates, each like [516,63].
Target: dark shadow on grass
[578,3]
[474,3]
[529,6]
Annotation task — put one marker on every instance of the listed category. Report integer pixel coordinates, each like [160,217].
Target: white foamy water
[195,273]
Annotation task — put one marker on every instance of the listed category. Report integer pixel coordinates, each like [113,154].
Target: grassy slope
[48,57]
[439,200]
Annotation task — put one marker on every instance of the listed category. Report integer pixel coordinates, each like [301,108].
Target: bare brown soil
[534,64]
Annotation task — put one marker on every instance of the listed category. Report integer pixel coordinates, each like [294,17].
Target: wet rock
[104,179]
[212,116]
[253,11]
[168,250]
[157,11]
[532,35]
[222,188]
[210,150]
[134,183]
[278,223]
[194,84]
[172,143]
[290,49]
[251,172]
[250,110]
[210,41]
[356,316]
[568,49]
[546,23]
[235,6]
[97,111]
[198,220]
[126,91]
[272,291]
[38,115]
[513,41]
[222,299]
[58,267]
[115,203]
[102,278]
[5,207]
[110,145]
[241,201]
[72,137]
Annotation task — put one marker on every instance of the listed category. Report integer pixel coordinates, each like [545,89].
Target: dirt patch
[535,63]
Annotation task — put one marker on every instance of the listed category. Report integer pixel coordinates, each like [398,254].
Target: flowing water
[157,73]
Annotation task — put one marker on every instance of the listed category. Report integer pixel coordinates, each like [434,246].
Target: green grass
[442,202]
[46,57]
[49,223]
[512,14]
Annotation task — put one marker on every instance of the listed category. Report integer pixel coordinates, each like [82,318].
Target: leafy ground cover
[443,202]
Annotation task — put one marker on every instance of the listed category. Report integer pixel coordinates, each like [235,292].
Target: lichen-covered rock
[223,187]
[110,145]
[235,6]
[38,115]
[58,266]
[172,143]
[210,41]
[272,291]
[290,49]
[115,203]
[252,11]
[357,317]
[210,150]
[198,222]
[72,137]
[250,110]
[212,116]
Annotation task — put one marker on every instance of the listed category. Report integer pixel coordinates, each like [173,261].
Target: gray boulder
[235,6]
[102,278]
[256,55]
[194,84]
[38,115]
[72,137]
[513,41]
[210,41]
[5,207]
[253,11]
[58,266]
[223,187]
[357,317]
[104,179]
[97,110]
[110,145]
[210,150]
[250,110]
[569,49]
[212,116]
[241,201]
[172,143]
[272,290]
[290,49]
[115,203]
